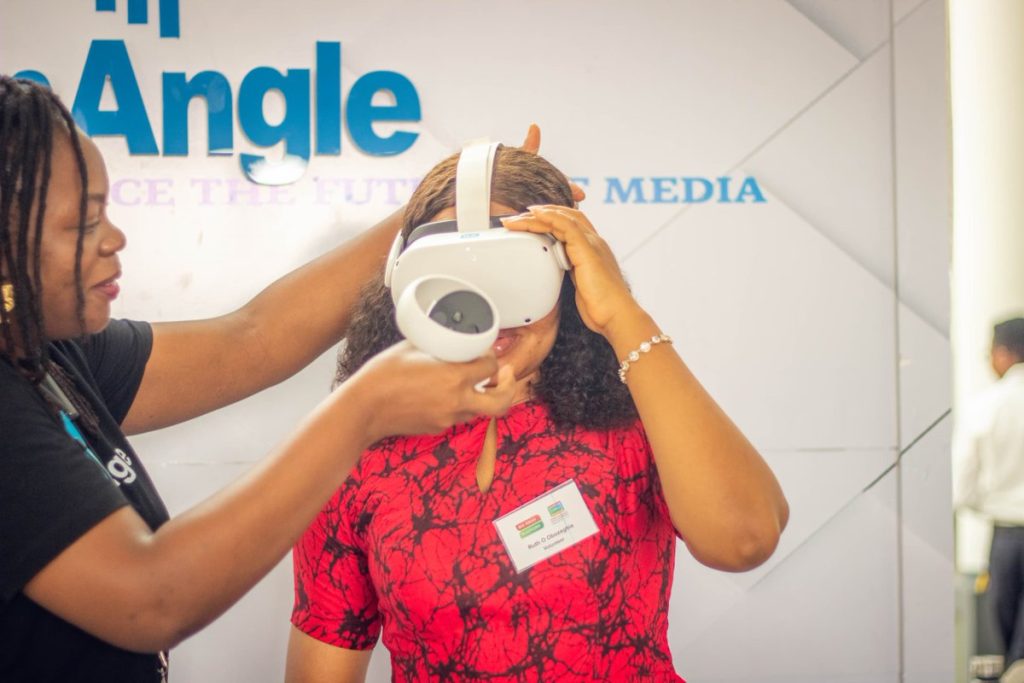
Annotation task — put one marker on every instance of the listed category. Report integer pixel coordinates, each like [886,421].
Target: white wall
[818,317]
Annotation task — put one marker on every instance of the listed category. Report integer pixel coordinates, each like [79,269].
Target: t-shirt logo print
[120,468]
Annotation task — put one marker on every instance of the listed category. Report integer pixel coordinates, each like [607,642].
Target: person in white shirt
[988,454]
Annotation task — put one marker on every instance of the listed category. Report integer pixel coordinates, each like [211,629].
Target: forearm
[312,661]
[721,495]
[304,313]
[227,543]
[146,591]
[201,365]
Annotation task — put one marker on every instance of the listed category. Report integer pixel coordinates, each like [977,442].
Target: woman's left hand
[601,292]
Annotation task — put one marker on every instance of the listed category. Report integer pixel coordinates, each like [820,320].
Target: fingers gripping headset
[455,283]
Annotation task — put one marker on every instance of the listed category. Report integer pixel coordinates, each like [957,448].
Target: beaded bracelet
[645,347]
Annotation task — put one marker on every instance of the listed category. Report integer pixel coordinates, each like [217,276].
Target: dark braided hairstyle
[577,381]
[31,117]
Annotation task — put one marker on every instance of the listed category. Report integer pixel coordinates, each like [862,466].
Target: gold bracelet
[645,347]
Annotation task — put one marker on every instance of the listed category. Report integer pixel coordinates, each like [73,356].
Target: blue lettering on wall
[328,98]
[108,59]
[695,190]
[362,112]
[293,129]
[108,64]
[615,190]
[690,189]
[179,92]
[664,190]
[170,22]
[751,188]
[138,13]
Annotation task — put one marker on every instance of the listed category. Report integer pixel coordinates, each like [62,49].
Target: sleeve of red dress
[637,461]
[335,601]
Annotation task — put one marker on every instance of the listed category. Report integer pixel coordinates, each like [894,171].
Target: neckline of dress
[516,414]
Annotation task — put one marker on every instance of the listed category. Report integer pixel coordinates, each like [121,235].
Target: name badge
[545,526]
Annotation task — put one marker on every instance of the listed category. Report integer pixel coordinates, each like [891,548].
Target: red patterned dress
[408,545]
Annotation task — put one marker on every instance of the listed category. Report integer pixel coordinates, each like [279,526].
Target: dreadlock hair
[31,116]
[577,381]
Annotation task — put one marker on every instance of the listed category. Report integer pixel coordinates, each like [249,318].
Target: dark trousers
[1006,588]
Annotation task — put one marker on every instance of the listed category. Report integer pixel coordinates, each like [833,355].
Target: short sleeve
[335,600]
[51,492]
[638,469]
[117,359]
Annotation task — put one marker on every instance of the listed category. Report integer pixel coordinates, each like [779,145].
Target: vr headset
[455,283]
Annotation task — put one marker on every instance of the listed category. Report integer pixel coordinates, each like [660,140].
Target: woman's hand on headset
[602,295]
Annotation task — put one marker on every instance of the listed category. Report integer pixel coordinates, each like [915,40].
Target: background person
[408,545]
[989,459]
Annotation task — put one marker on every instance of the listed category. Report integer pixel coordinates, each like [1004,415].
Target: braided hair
[31,116]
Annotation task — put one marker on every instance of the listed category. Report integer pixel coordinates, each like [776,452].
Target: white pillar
[987,87]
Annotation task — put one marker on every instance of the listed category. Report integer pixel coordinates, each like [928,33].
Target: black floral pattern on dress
[407,546]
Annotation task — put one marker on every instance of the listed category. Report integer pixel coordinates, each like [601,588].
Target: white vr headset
[455,283]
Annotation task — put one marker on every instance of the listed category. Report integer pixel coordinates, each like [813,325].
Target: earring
[7,294]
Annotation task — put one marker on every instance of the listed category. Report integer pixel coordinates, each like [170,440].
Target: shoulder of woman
[22,407]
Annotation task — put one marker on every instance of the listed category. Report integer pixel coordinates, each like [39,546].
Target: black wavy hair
[577,382]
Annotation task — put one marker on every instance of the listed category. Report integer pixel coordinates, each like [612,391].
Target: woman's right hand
[405,391]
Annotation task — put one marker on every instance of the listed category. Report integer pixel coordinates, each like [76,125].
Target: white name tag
[546,526]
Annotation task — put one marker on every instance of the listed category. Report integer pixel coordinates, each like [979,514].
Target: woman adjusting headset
[95,581]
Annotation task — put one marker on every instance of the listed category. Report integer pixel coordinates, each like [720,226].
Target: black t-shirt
[52,491]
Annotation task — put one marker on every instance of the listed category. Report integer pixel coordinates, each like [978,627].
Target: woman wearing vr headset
[95,580]
[538,546]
